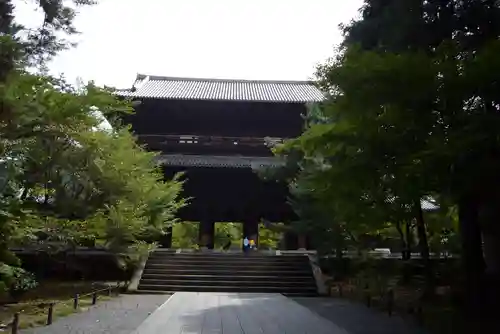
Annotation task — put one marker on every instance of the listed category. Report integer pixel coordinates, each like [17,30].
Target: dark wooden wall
[231,195]
[218,118]
[222,194]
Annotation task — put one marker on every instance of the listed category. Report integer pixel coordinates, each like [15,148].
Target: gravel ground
[357,318]
[118,316]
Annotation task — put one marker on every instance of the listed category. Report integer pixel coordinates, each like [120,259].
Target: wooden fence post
[420,315]
[50,314]
[368,297]
[76,301]
[15,323]
[390,301]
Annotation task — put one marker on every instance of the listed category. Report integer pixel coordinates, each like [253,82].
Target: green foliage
[185,235]
[412,111]
[16,280]
[64,180]
[81,179]
[269,237]
[35,46]
[227,231]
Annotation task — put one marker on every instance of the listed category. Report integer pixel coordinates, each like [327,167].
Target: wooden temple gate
[219,132]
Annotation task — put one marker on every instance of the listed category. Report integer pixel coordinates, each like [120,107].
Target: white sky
[240,39]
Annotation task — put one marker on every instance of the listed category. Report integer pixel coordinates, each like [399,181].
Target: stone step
[224,266]
[169,272]
[165,270]
[235,283]
[228,256]
[227,263]
[227,259]
[223,288]
[157,292]
[216,278]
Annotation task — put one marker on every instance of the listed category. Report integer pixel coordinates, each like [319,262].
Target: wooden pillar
[166,239]
[206,234]
[302,241]
[291,240]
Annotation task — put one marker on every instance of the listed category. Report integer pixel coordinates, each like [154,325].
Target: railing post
[76,301]
[390,301]
[368,298]
[50,314]
[94,298]
[420,315]
[15,323]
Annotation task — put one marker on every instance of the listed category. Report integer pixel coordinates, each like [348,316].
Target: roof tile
[218,161]
[222,89]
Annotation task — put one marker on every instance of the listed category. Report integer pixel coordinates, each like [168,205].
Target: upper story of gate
[217,116]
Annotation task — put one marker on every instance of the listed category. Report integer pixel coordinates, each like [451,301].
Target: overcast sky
[240,39]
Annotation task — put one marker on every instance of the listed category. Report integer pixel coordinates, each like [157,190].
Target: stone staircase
[167,271]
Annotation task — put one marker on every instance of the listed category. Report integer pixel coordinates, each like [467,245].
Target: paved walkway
[117,316]
[226,313]
[234,313]
[357,318]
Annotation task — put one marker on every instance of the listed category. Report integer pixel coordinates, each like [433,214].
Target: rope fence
[76,304]
[382,299]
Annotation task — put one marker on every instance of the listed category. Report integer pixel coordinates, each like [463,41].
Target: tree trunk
[472,251]
[409,240]
[404,245]
[423,246]
[490,283]
[489,217]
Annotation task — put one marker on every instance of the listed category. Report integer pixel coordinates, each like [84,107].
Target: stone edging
[136,277]
[318,275]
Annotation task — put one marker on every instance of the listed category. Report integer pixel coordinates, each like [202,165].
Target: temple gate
[218,132]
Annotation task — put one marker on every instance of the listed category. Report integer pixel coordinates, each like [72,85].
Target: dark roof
[150,86]
[218,161]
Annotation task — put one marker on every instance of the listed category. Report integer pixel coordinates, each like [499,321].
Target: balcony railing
[176,140]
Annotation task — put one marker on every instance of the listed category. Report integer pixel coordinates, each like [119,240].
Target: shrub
[16,280]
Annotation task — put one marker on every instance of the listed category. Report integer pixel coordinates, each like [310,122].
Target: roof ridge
[141,76]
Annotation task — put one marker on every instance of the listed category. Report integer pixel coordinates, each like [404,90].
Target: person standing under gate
[246,245]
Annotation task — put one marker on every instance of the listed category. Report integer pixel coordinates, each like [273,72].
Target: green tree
[461,37]
[64,180]
[76,181]
[33,47]
[411,112]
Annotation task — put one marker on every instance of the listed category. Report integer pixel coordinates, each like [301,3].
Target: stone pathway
[235,313]
[118,316]
[226,313]
[357,318]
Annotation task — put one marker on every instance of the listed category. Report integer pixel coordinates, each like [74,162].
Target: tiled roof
[157,87]
[217,161]
[427,203]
